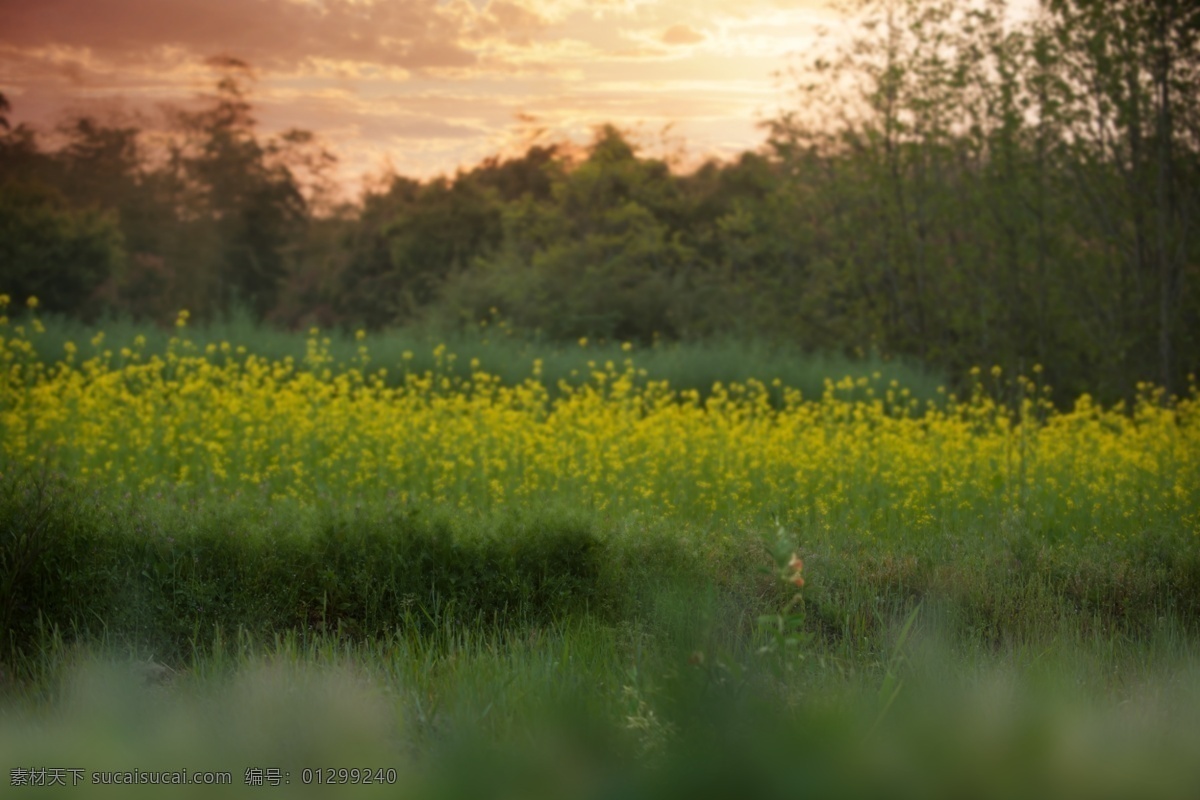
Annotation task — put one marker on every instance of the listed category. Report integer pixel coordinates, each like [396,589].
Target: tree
[413,239]
[47,250]
[247,202]
[983,191]
[20,157]
[602,256]
[409,241]
[1132,70]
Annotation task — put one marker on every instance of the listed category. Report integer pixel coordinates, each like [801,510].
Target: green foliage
[251,201]
[603,256]
[51,252]
[209,219]
[410,240]
[1008,193]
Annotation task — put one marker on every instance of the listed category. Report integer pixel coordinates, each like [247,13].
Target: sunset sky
[425,85]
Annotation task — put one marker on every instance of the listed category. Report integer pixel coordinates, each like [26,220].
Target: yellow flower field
[226,423]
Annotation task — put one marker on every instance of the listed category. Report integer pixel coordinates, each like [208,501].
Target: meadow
[505,568]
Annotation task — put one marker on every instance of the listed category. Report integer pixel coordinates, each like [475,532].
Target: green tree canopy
[52,252]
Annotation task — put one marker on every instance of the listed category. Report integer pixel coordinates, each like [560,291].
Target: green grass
[589,709]
[508,355]
[561,654]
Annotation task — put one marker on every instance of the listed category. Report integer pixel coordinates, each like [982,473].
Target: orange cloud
[682,34]
[267,33]
[428,84]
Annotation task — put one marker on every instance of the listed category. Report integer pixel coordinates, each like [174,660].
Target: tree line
[950,185]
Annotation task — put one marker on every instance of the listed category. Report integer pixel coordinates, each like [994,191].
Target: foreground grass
[575,710]
[551,655]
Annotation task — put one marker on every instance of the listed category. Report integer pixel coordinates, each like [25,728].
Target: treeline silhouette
[951,186]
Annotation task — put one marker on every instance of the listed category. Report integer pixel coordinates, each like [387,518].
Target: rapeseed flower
[858,457]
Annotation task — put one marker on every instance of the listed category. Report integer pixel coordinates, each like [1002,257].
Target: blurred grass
[589,710]
[495,657]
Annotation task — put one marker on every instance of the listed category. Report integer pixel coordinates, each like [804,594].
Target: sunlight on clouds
[321,69]
[557,58]
[439,82]
[682,34]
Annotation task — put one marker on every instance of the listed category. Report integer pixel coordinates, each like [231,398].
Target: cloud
[274,34]
[682,34]
[429,82]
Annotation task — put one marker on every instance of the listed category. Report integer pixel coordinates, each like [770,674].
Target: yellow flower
[32,302]
[620,442]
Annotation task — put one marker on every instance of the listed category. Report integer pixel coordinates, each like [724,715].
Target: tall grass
[509,355]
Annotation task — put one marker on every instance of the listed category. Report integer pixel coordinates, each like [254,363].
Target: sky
[423,87]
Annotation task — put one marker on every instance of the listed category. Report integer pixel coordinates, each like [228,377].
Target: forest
[950,186]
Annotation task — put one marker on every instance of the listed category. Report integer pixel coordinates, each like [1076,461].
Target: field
[599,571]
